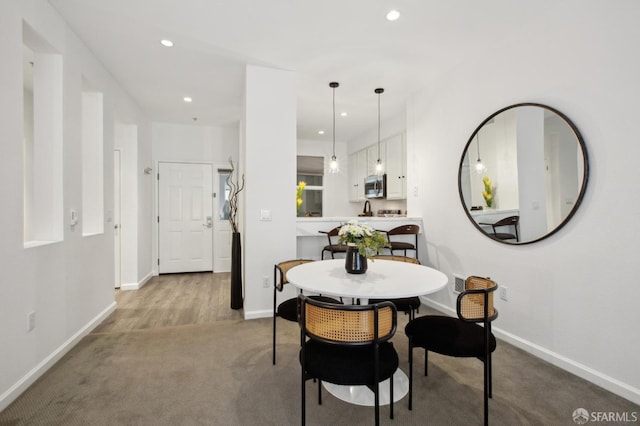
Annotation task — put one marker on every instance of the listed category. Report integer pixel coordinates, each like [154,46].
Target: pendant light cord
[334,122]
[378,126]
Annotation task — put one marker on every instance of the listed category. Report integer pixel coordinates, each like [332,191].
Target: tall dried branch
[235,189]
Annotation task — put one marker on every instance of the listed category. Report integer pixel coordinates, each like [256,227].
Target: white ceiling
[348,41]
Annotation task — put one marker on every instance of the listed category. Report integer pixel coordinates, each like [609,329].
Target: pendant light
[333,165]
[379,166]
[480,168]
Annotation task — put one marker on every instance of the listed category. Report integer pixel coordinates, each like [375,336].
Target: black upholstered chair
[459,337]
[402,245]
[333,247]
[507,221]
[288,309]
[347,345]
[408,305]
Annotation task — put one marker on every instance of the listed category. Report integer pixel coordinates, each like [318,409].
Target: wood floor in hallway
[172,300]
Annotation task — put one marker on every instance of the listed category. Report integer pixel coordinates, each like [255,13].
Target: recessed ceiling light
[187,99]
[343,114]
[393,15]
[321,132]
[166,43]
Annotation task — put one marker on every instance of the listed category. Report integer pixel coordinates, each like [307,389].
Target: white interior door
[221,227]
[117,239]
[185,219]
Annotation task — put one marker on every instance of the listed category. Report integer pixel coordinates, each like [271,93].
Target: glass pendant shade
[333,165]
[379,167]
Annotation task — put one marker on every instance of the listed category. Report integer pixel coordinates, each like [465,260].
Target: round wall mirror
[523,173]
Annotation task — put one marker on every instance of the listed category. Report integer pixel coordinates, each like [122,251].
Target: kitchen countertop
[310,226]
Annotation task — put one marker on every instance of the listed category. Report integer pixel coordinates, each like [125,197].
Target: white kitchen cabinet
[395,167]
[357,173]
[372,157]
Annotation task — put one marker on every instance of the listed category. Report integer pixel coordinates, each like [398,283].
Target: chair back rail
[475,303]
[354,324]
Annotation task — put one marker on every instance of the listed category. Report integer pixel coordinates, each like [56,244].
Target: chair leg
[303,395]
[486,393]
[490,376]
[426,362]
[274,338]
[319,392]
[376,397]
[410,374]
[391,396]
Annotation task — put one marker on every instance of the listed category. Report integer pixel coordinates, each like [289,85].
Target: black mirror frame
[583,188]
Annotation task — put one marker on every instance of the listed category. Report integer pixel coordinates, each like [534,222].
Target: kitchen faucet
[367,209]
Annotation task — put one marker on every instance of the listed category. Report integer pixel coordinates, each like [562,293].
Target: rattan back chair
[408,305]
[462,336]
[347,345]
[333,245]
[287,309]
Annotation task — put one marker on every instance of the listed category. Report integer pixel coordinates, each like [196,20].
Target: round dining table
[384,279]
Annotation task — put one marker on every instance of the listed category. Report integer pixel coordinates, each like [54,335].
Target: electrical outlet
[265,281]
[503,293]
[31,321]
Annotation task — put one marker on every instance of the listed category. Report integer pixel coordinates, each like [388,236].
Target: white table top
[384,279]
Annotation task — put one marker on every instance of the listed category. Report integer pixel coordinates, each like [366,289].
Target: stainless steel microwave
[375,186]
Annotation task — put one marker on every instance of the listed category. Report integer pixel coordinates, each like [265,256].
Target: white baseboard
[138,285]
[28,379]
[584,372]
[258,314]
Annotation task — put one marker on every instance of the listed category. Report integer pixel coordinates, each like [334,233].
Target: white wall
[268,158]
[68,284]
[180,142]
[572,297]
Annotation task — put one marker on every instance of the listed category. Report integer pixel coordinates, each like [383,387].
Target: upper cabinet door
[396,168]
[372,157]
[357,173]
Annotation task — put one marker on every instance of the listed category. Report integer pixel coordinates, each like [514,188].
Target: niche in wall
[42,142]
[92,160]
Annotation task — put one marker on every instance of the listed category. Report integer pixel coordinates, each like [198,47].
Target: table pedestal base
[362,395]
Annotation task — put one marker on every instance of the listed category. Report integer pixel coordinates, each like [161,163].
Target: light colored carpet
[221,374]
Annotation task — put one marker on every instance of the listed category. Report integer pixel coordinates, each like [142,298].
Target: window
[224,190]
[310,171]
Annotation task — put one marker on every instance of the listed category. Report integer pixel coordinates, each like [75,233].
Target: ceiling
[348,41]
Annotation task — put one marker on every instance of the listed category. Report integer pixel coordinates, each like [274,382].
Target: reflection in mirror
[526,161]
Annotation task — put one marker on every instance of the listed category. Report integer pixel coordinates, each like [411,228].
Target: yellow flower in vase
[299,190]
[488,191]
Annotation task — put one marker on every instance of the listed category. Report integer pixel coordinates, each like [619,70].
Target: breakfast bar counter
[310,241]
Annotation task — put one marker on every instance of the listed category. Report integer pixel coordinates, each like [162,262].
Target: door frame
[117,217]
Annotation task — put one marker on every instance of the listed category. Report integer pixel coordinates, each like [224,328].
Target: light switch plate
[265,214]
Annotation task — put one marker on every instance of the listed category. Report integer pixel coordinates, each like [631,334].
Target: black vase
[355,263]
[236,272]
